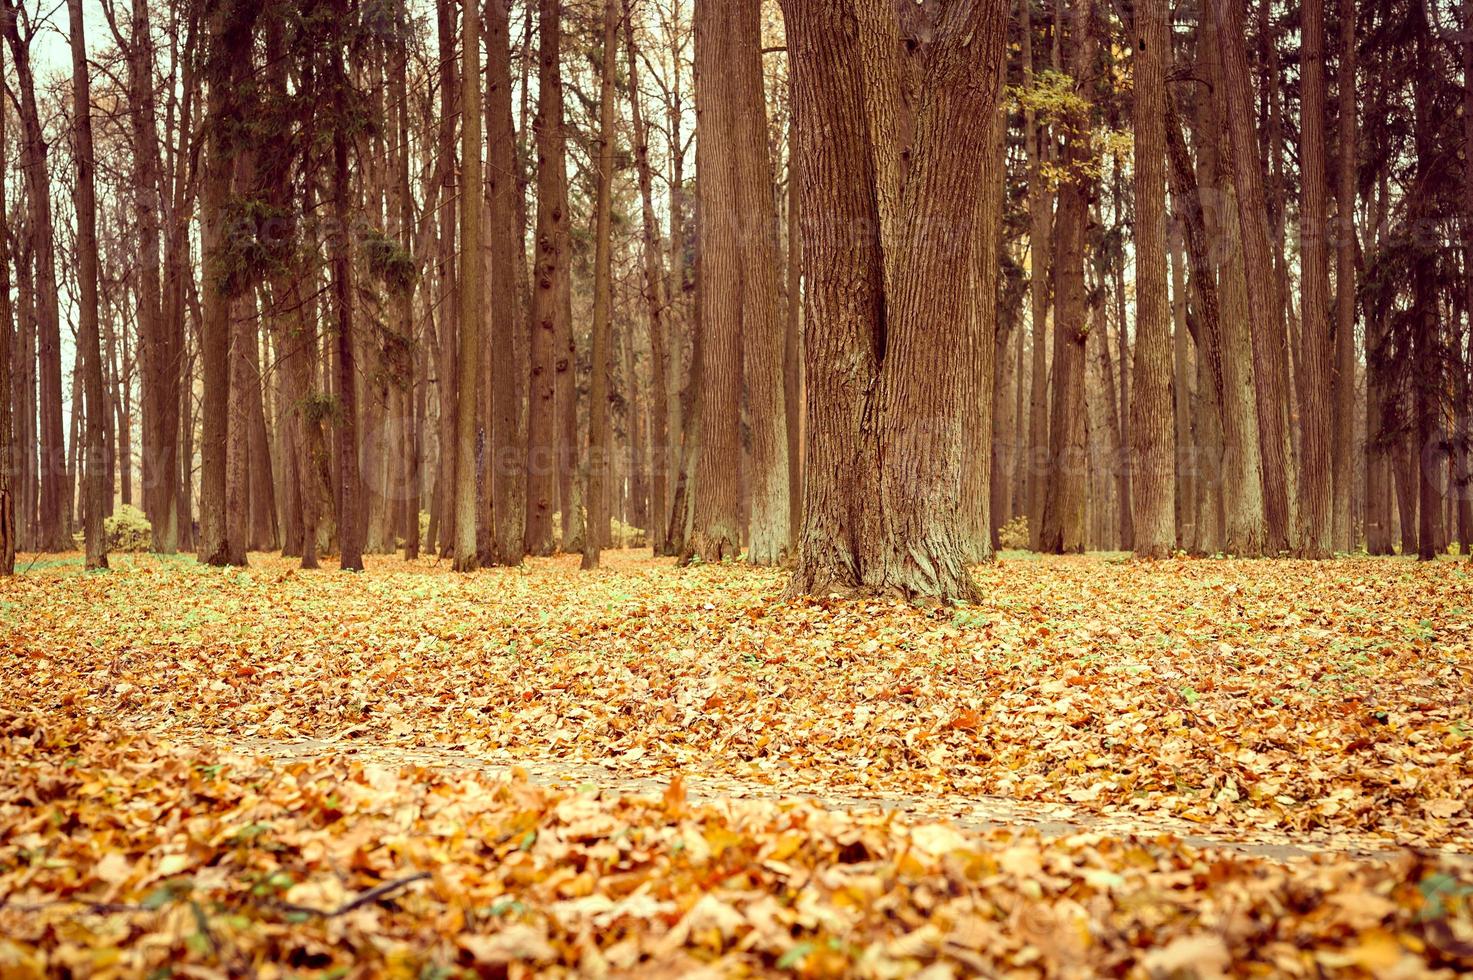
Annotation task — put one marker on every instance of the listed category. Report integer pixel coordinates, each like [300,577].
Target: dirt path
[972,813]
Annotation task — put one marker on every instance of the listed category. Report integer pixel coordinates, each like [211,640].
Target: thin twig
[372,895]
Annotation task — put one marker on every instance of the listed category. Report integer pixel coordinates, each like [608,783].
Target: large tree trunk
[716,529]
[599,442]
[468,363]
[1264,300]
[549,278]
[54,485]
[761,321]
[1153,489]
[891,367]
[1062,531]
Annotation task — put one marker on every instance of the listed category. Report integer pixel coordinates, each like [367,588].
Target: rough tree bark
[1265,304]
[715,528]
[1153,487]
[761,322]
[890,367]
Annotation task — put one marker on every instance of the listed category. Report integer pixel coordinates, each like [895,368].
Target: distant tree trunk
[54,484]
[1342,525]
[228,56]
[761,320]
[1265,302]
[1040,205]
[657,303]
[263,535]
[1379,486]
[1465,502]
[468,361]
[599,442]
[1153,489]
[793,341]
[1189,460]
[887,407]
[159,421]
[1427,452]
[8,454]
[979,434]
[716,530]
[1063,511]
[442,524]
[1317,395]
[412,446]
[549,278]
[350,508]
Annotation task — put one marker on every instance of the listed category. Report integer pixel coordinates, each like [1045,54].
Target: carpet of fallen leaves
[144,823]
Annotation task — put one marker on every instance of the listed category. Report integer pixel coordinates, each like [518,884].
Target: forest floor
[1103,767]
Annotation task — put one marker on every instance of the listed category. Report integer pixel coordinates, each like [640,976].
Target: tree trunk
[1034,455]
[887,406]
[1427,452]
[227,58]
[1264,300]
[657,303]
[468,362]
[8,454]
[54,485]
[1064,502]
[793,339]
[508,370]
[549,279]
[715,532]
[1317,394]
[752,210]
[1342,525]
[978,428]
[1153,489]
[350,507]
[599,442]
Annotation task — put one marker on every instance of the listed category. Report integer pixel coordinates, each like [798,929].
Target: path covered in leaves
[1104,766]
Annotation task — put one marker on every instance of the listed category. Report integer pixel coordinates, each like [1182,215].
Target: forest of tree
[869,289]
